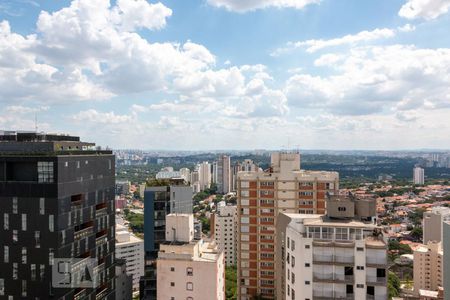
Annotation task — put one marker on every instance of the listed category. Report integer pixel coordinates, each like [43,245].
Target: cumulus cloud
[250,5]
[94,116]
[377,79]
[350,39]
[424,9]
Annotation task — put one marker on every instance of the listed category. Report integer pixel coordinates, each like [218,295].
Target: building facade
[428,267]
[446,244]
[340,255]
[433,222]
[261,196]
[225,226]
[223,174]
[57,196]
[131,249]
[160,201]
[204,174]
[418,175]
[124,282]
[187,268]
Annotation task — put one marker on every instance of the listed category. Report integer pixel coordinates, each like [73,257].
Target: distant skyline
[229,74]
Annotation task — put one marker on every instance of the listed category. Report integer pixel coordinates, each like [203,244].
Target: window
[14,207]
[360,267]
[24,222]
[172,283]
[24,255]
[307,246]
[15,270]
[293,261]
[189,272]
[42,272]
[45,171]
[41,206]
[51,256]
[307,282]
[293,245]
[293,294]
[341,234]
[6,254]
[307,265]
[15,236]
[314,232]
[359,249]
[293,278]
[360,286]
[51,223]
[172,269]
[5,221]
[24,288]
[189,286]
[342,208]
[33,272]
[37,238]
[2,287]
[189,298]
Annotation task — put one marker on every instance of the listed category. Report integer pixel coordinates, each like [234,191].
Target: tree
[231,283]
[393,285]
[417,233]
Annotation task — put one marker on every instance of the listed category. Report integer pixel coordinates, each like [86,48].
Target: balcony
[79,295]
[101,212]
[101,240]
[83,233]
[335,259]
[331,295]
[376,261]
[376,297]
[332,277]
[375,280]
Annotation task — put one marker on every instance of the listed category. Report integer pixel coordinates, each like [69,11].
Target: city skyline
[367,75]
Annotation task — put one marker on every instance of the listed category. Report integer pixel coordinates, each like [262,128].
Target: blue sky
[229,74]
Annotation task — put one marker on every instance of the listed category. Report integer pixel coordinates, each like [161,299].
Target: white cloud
[328,59]
[250,5]
[374,80]
[350,39]
[407,28]
[424,9]
[94,116]
[19,109]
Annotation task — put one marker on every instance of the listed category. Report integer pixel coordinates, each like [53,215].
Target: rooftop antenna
[35,123]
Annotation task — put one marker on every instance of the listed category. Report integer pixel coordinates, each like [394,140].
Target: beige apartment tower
[262,195]
[428,267]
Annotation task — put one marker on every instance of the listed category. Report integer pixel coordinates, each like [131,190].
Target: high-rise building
[130,248]
[247,166]
[418,175]
[124,281]
[57,196]
[433,222]
[159,201]
[340,255]
[204,174]
[261,196]
[446,259]
[223,174]
[225,226]
[189,268]
[428,267]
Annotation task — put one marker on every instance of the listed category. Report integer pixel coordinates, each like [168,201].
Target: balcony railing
[376,297]
[329,258]
[327,277]
[101,212]
[81,234]
[327,295]
[376,260]
[375,279]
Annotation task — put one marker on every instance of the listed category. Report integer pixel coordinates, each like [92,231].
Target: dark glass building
[57,202]
[159,201]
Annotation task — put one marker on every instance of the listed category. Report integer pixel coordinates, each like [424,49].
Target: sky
[229,74]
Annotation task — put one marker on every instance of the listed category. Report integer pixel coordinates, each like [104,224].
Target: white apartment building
[339,255]
[428,267]
[261,196]
[433,223]
[204,174]
[225,231]
[131,249]
[187,268]
[418,175]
